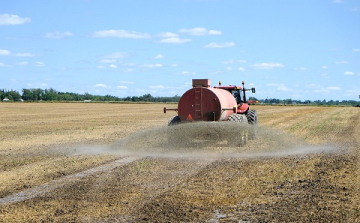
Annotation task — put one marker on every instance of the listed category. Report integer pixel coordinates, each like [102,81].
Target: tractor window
[240,97]
[237,95]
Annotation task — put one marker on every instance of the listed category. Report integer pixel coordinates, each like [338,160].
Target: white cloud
[175,40]
[121,87]
[167,35]
[188,73]
[342,62]
[334,88]
[107,61]
[216,72]
[153,65]
[117,55]
[219,45]
[38,85]
[101,85]
[113,66]
[356,50]
[7,53]
[6,19]
[242,69]
[101,67]
[126,82]
[283,88]
[234,61]
[159,56]
[312,86]
[301,68]
[200,31]
[129,70]
[121,34]
[39,64]
[324,67]
[25,55]
[353,92]
[214,32]
[23,63]
[128,64]
[157,87]
[228,68]
[4,52]
[267,65]
[4,65]
[57,35]
[348,73]
[324,90]
[174,65]
[325,75]
[280,87]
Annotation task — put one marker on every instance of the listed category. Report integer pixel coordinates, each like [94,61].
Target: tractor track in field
[170,172]
[46,188]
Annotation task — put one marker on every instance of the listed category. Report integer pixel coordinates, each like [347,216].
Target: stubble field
[86,162]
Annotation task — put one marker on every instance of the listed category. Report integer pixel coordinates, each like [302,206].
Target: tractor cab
[237,92]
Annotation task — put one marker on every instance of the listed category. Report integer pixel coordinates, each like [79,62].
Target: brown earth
[66,162]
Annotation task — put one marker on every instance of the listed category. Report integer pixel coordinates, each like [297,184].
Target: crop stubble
[280,176]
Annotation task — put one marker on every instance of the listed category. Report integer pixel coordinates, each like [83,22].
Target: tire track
[46,188]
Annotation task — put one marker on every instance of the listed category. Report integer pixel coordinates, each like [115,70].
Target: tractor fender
[242,108]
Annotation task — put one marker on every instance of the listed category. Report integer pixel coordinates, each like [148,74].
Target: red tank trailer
[220,103]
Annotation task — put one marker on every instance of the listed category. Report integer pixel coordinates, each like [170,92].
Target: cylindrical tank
[206,104]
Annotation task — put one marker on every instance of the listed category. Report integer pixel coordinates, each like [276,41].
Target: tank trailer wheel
[171,132]
[174,120]
[236,118]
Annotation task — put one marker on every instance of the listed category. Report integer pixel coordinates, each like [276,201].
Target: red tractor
[220,103]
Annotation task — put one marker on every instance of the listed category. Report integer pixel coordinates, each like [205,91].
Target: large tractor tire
[252,120]
[252,117]
[174,120]
[240,138]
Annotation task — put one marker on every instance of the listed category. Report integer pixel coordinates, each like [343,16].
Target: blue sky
[285,49]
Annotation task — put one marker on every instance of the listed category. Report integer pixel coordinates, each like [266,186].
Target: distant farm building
[253,102]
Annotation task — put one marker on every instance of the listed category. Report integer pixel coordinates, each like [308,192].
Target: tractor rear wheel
[252,117]
[252,120]
[240,138]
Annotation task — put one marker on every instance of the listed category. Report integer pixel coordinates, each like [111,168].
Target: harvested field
[85,162]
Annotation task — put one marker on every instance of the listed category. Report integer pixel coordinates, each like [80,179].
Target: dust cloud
[209,140]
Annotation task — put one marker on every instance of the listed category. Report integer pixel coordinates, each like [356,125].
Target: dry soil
[87,162]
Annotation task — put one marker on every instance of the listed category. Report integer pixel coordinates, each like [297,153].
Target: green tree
[50,95]
[14,95]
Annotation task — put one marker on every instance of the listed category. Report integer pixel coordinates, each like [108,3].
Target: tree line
[51,94]
[307,102]
[37,94]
